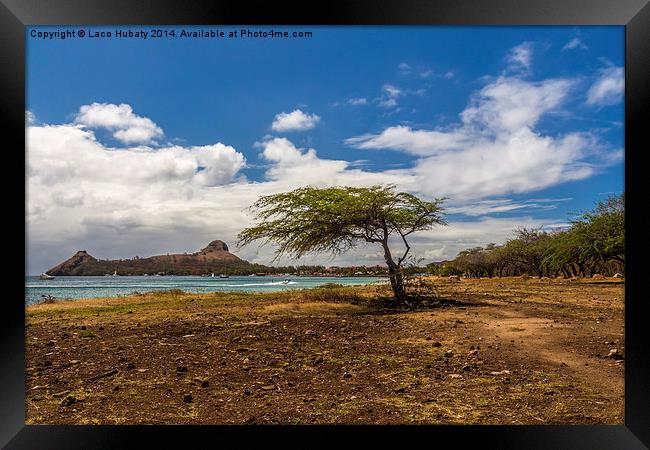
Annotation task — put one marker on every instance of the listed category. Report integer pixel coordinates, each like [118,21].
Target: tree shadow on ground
[413,303]
[421,295]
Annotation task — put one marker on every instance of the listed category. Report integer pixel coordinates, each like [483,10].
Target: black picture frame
[15,15]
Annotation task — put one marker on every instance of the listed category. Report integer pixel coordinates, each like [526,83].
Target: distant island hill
[215,258]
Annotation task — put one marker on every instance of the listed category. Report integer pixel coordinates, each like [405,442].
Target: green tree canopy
[595,241]
[606,229]
[334,220]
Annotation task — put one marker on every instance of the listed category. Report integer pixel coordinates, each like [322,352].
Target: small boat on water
[45,276]
[285,282]
[224,276]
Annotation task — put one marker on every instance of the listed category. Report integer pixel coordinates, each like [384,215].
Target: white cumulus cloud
[495,148]
[296,120]
[126,126]
[401,137]
[30,118]
[389,96]
[294,167]
[121,202]
[358,101]
[404,68]
[519,58]
[62,153]
[575,43]
[608,89]
[502,107]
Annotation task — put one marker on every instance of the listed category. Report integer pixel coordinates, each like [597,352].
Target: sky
[143,146]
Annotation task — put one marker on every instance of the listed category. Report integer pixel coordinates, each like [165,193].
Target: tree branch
[408,248]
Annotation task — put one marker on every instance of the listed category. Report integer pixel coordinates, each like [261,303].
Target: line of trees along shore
[593,244]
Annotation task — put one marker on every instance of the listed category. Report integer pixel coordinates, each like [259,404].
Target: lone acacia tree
[335,219]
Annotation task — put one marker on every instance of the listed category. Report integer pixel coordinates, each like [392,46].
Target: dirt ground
[498,351]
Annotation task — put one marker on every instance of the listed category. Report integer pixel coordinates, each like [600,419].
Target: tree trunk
[396,282]
[394,274]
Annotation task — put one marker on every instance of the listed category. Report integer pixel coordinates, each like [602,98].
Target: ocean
[112,286]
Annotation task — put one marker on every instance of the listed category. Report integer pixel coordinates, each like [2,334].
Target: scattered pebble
[69,400]
[614,354]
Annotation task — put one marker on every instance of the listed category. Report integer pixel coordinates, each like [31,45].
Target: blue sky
[433,109]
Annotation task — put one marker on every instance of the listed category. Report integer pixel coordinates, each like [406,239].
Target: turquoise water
[109,286]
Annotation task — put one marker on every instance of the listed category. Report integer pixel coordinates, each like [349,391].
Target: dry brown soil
[499,351]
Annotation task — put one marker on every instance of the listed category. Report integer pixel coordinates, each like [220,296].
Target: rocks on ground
[69,400]
[615,354]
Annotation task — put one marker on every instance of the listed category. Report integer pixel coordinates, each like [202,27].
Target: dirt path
[510,351]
